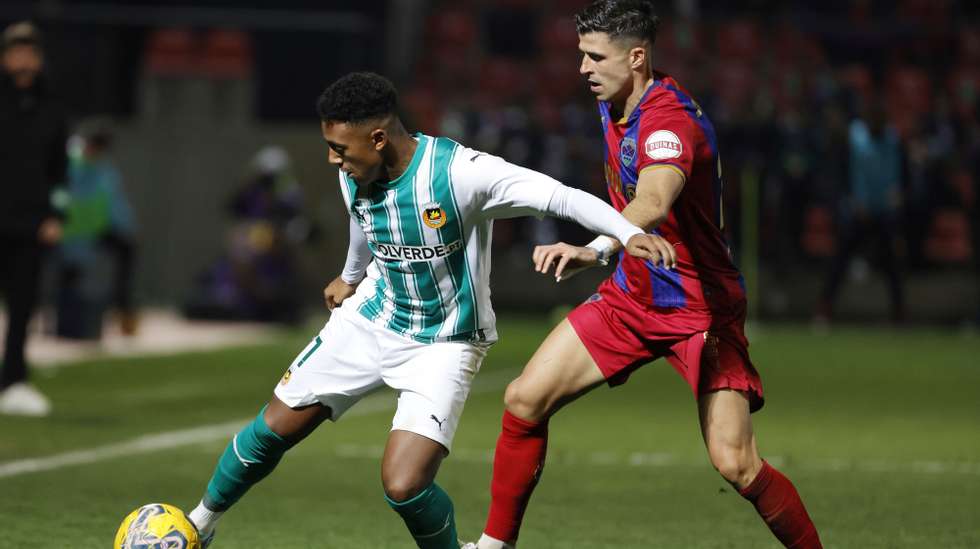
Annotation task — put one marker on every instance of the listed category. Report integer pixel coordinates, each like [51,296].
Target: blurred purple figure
[257,279]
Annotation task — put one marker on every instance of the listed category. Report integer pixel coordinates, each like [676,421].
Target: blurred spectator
[872,207]
[257,278]
[99,221]
[32,160]
[782,80]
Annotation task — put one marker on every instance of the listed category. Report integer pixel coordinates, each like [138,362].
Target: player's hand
[653,247]
[337,291]
[571,260]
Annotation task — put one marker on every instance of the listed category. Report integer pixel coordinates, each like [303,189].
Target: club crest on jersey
[627,151]
[663,145]
[433,215]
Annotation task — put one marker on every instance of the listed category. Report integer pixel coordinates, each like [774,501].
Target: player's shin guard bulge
[780,506]
[429,517]
[252,454]
[517,465]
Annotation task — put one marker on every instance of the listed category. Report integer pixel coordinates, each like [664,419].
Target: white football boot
[22,399]
[487,542]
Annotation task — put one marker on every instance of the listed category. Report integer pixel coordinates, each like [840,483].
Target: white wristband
[603,246]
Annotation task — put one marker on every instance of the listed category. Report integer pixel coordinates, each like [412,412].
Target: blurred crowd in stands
[788,86]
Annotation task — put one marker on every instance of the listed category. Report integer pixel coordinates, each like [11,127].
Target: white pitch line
[484,383]
[666,459]
[207,433]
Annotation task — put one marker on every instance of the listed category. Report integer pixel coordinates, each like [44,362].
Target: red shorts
[708,349]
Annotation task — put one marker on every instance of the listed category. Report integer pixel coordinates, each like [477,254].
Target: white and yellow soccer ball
[157,526]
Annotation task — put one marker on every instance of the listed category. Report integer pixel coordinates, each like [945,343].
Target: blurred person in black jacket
[32,166]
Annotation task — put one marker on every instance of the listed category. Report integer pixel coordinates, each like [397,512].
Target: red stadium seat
[558,78]
[969,45]
[910,88]
[949,238]
[502,80]
[558,35]
[818,238]
[227,54]
[739,40]
[170,52]
[452,29]
[734,82]
[792,48]
[455,67]
[925,11]
[908,95]
[858,78]
[425,108]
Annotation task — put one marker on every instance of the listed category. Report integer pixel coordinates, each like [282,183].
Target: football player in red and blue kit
[663,173]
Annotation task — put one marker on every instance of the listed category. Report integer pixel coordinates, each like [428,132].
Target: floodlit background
[871,378]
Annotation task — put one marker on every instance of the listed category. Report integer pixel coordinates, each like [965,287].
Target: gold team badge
[433,215]
[285,377]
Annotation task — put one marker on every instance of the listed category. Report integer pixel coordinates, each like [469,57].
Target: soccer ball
[157,526]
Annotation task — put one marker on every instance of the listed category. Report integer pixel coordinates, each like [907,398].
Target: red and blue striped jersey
[668,130]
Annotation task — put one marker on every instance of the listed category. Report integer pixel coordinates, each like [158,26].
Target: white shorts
[353,356]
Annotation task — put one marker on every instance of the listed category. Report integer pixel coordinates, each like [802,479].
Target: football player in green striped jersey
[411,309]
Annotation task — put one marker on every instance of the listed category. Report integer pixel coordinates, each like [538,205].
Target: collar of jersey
[409,172]
[636,112]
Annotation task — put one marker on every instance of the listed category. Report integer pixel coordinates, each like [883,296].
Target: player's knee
[402,487]
[736,465]
[522,403]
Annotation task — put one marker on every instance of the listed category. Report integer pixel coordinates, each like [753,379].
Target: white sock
[486,542]
[204,519]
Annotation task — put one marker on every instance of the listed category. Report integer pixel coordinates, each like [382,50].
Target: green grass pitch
[879,429]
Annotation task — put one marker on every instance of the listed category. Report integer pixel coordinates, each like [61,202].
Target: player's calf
[778,503]
[408,471]
[429,516]
[250,456]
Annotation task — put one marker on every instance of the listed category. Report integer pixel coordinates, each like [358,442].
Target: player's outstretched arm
[506,190]
[509,190]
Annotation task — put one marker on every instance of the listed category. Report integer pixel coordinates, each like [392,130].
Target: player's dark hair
[358,97]
[620,19]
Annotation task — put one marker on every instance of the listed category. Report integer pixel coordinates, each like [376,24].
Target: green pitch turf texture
[879,429]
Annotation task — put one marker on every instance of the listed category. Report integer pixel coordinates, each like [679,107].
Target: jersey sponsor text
[395,252]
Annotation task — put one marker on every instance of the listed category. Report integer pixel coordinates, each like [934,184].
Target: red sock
[780,506]
[517,465]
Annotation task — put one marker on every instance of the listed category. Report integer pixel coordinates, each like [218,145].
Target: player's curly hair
[620,19]
[358,97]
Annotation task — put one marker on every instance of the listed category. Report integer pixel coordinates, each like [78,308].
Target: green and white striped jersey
[429,232]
